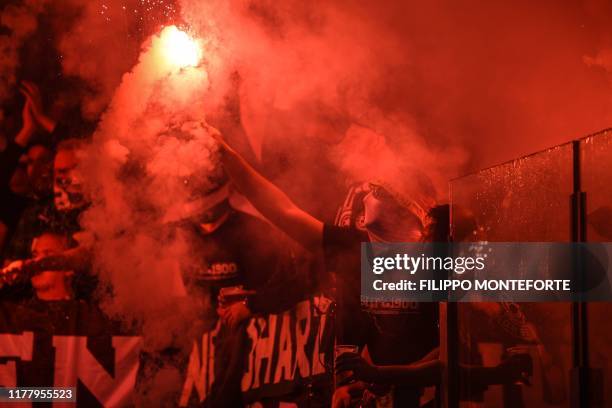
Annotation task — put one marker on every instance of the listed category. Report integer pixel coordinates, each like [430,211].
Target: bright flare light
[180,49]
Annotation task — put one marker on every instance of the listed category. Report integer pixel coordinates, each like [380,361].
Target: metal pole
[580,340]
[449,342]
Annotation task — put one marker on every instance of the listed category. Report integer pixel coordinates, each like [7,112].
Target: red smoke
[319,92]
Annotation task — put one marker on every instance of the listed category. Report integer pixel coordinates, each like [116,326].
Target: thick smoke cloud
[96,54]
[438,88]
[322,91]
[148,164]
[149,160]
[472,76]
[470,85]
[603,60]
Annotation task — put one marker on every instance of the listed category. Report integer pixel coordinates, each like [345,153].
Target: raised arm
[34,100]
[78,258]
[33,118]
[269,200]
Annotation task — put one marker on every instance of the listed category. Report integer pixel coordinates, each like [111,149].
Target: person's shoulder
[345,230]
[334,235]
[255,234]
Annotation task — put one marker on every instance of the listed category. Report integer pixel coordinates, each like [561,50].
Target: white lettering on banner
[302,331]
[291,358]
[264,348]
[17,346]
[247,378]
[73,362]
[317,357]
[282,346]
[283,365]
[201,368]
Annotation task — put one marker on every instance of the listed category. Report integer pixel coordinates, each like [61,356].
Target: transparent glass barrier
[524,200]
[596,181]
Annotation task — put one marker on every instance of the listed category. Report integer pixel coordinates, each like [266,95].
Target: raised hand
[360,368]
[30,124]
[216,134]
[234,314]
[34,104]
[9,273]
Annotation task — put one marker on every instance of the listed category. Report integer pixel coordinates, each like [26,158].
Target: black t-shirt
[250,252]
[246,251]
[393,335]
[341,251]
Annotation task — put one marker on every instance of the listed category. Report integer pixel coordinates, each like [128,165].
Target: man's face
[67,187]
[386,220]
[37,162]
[47,245]
[214,217]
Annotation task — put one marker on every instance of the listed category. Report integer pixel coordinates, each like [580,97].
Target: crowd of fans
[248,267]
[40,201]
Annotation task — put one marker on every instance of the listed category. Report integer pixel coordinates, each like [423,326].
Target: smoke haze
[321,92]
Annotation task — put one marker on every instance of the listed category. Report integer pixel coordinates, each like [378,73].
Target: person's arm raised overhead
[269,200]
[33,97]
[33,118]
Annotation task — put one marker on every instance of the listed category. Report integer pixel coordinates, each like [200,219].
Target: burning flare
[179,48]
